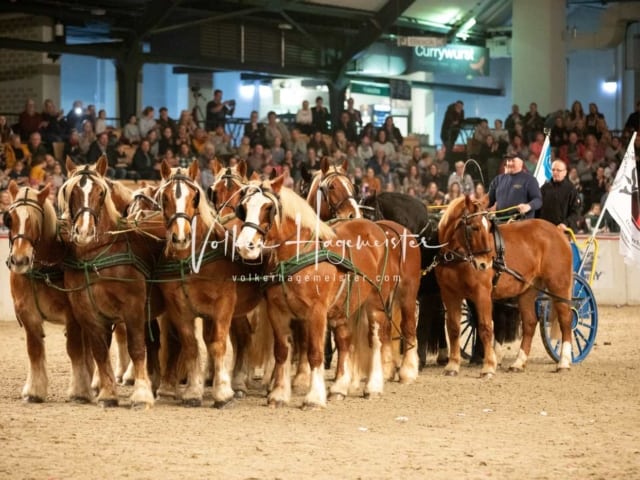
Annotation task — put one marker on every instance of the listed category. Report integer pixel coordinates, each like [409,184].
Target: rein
[23,202]
[324,190]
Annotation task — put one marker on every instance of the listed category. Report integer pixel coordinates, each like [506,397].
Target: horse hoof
[239,394]
[222,404]
[276,404]
[308,406]
[34,399]
[371,395]
[140,406]
[516,369]
[108,403]
[80,400]
[442,361]
[562,369]
[191,402]
[486,375]
[336,397]
[450,373]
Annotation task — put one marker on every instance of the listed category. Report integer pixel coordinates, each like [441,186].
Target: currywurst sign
[461,59]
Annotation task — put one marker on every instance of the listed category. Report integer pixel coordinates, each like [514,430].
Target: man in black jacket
[560,200]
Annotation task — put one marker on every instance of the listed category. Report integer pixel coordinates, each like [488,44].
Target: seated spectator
[72,149]
[245,148]
[298,145]
[383,143]
[147,121]
[517,147]
[347,126]
[413,180]
[183,137]
[559,134]
[185,156]
[479,191]
[614,151]
[19,173]
[166,142]
[15,151]
[433,196]
[254,130]
[87,137]
[200,138]
[454,191]
[208,153]
[186,120]
[368,131]
[353,160]
[592,216]
[76,116]
[102,146]
[388,179]
[535,147]
[459,176]
[221,140]
[57,177]
[131,132]
[53,127]
[433,175]
[392,132]
[304,119]
[321,118]
[164,121]
[371,183]
[365,150]
[489,159]
[318,144]
[36,147]
[29,120]
[500,136]
[101,121]
[256,160]
[593,118]
[154,143]
[277,152]
[340,141]
[37,172]
[143,164]
[170,158]
[274,128]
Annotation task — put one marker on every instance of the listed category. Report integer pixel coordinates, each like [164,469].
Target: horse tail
[431,325]
[361,349]
[506,322]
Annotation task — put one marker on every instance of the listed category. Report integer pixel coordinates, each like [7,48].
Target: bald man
[516,189]
[560,200]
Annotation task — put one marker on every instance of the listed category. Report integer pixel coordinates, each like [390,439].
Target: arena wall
[614,282]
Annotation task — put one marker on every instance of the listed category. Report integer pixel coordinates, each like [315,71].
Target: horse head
[224,193]
[25,220]
[332,193]
[466,231]
[143,200]
[180,197]
[85,201]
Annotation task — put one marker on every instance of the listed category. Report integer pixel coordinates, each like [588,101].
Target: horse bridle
[230,178]
[275,200]
[324,190]
[178,178]
[86,173]
[468,254]
[22,202]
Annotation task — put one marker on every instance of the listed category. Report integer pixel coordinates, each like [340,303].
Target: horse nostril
[174,238]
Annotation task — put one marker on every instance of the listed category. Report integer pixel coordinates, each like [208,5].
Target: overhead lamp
[610,85]
[463,31]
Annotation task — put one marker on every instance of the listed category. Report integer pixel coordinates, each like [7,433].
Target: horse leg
[168,358]
[564,315]
[431,333]
[345,366]
[377,334]
[142,395]
[217,346]
[241,340]
[188,360]
[35,388]
[484,305]
[152,341]
[316,329]
[280,393]
[81,362]
[526,304]
[123,359]
[453,304]
[301,344]
[409,367]
[107,395]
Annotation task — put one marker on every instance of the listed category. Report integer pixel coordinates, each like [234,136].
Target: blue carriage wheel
[584,322]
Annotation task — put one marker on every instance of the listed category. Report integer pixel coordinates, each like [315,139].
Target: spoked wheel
[584,322]
[468,332]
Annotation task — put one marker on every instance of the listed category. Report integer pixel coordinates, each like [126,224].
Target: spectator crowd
[378,159]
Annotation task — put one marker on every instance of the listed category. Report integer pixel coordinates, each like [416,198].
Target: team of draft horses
[146,264]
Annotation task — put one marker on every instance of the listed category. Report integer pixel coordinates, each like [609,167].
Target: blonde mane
[294,205]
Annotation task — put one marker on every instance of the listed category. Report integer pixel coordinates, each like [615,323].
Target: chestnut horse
[331,193]
[106,277]
[484,262]
[35,260]
[317,274]
[198,280]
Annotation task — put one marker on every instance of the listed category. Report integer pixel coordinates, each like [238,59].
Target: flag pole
[547,133]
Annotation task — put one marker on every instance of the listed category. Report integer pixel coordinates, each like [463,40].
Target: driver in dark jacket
[516,188]
[560,200]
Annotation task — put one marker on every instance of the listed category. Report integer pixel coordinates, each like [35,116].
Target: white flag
[543,167]
[623,204]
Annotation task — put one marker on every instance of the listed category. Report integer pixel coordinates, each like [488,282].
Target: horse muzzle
[19,263]
[482,264]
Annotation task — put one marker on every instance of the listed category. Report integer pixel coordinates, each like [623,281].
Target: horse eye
[332,187]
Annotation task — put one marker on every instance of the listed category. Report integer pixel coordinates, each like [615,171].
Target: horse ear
[345,164]
[44,194]
[70,166]
[101,165]
[468,203]
[324,164]
[13,189]
[194,170]
[217,166]
[276,185]
[165,170]
[484,201]
[242,168]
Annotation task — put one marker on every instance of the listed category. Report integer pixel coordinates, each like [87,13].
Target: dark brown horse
[106,276]
[317,274]
[35,260]
[521,258]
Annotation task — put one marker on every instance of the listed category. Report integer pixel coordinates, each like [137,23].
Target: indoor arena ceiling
[337,30]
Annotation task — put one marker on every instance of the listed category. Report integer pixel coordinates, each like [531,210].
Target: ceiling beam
[99,50]
[210,18]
